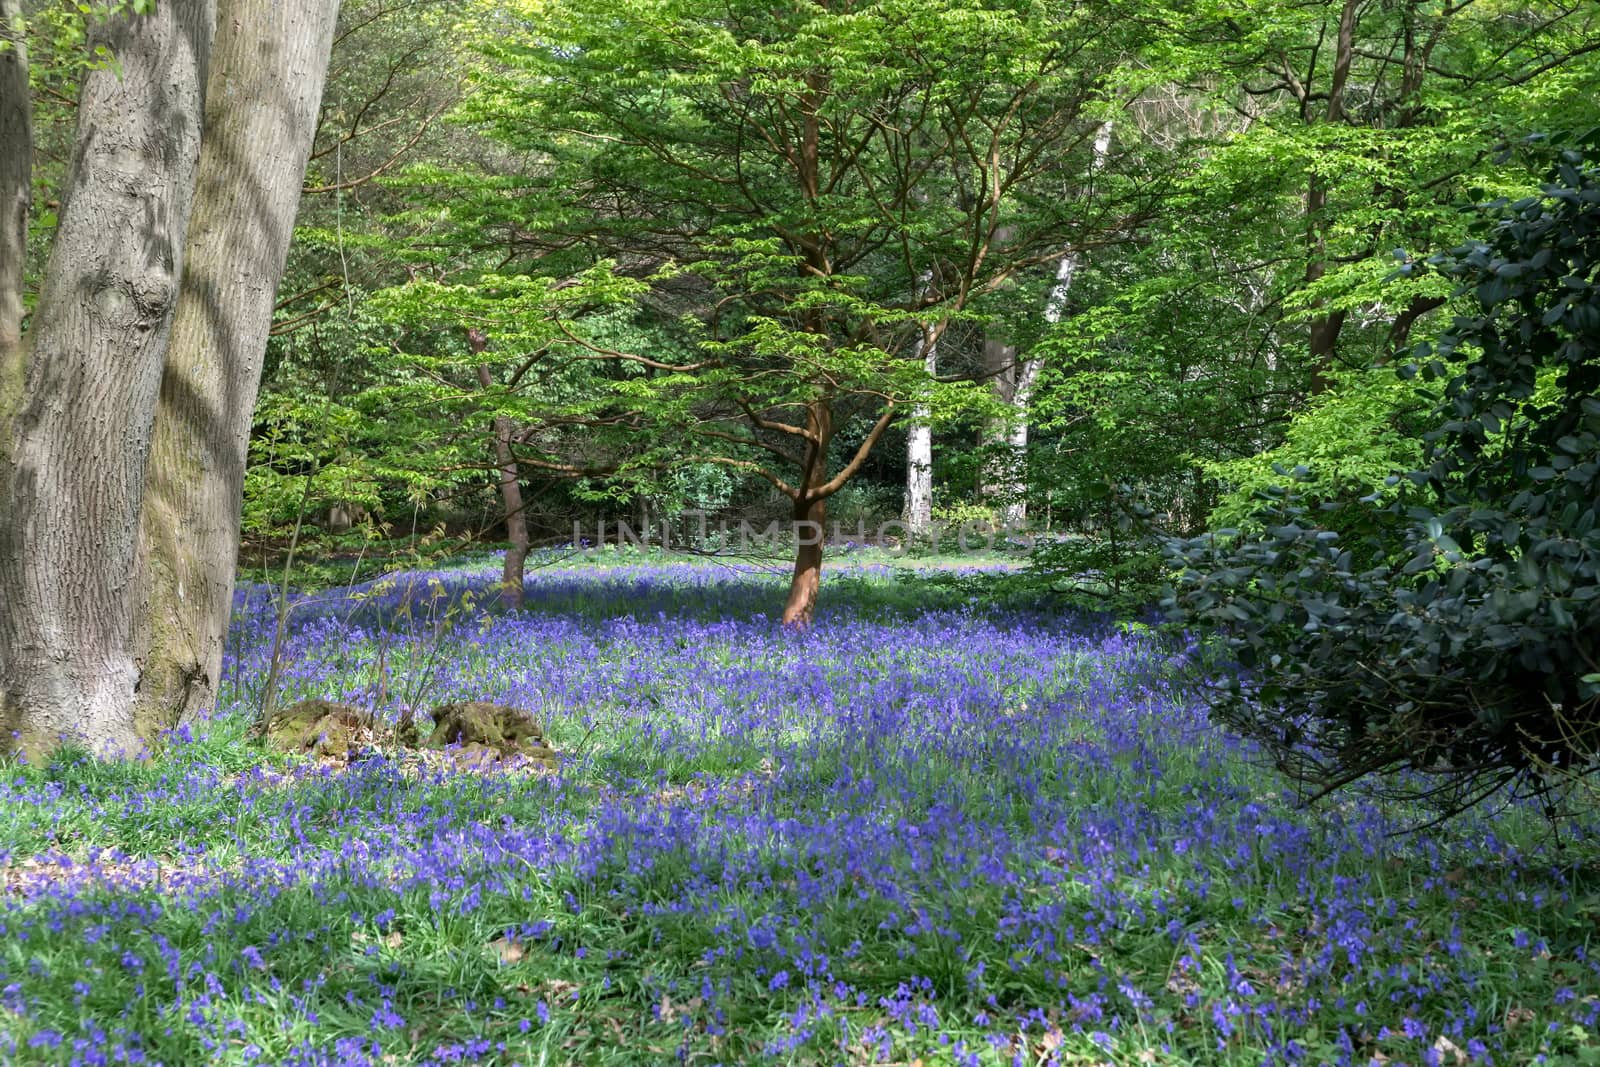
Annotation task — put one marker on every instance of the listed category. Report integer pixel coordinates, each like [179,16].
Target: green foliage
[1347,443]
[796,191]
[1292,156]
[1452,630]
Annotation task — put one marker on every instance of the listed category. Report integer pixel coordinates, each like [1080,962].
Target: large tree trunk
[77,433]
[513,575]
[269,61]
[16,195]
[919,453]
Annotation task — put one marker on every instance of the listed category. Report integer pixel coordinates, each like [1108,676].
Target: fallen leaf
[1445,1047]
[393,939]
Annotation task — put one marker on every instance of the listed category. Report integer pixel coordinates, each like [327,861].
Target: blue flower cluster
[925,828]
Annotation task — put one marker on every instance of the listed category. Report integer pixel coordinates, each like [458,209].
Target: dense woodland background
[577,181]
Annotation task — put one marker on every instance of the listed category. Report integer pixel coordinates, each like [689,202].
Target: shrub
[1451,627]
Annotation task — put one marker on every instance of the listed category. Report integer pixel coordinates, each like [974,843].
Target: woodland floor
[942,826]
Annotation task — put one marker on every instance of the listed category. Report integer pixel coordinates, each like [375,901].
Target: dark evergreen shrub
[1453,630]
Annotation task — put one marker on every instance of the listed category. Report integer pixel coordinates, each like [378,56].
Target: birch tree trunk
[77,411]
[269,62]
[1015,381]
[919,453]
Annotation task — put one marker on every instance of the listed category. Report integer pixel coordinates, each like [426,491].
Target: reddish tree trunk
[807,578]
[810,512]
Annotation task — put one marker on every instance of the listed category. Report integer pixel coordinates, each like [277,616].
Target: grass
[931,829]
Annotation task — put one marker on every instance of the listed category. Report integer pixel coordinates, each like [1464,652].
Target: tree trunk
[512,577]
[16,195]
[1001,487]
[919,454]
[806,581]
[1010,440]
[269,61]
[77,433]
[810,514]
[1323,341]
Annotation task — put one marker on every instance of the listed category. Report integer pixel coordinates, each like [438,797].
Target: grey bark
[1003,485]
[75,433]
[269,63]
[16,191]
[505,431]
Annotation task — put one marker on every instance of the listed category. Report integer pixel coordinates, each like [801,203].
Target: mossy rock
[318,727]
[477,727]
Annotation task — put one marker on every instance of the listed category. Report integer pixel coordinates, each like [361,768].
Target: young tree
[115,572]
[812,163]
[505,432]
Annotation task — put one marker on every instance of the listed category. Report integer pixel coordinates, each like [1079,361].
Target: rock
[318,727]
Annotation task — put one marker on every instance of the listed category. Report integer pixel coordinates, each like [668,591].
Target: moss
[481,728]
[318,727]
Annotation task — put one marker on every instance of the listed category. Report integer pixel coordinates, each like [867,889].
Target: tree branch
[411,142]
[837,482]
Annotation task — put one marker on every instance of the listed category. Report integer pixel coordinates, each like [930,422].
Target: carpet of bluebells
[937,827]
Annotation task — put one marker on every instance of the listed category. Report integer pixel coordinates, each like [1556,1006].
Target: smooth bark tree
[268,63]
[116,559]
[919,452]
[505,432]
[1014,381]
[810,162]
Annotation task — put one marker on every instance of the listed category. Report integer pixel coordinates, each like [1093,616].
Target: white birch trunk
[269,62]
[919,451]
[76,416]
[1016,387]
